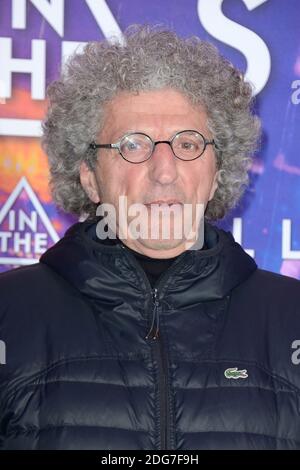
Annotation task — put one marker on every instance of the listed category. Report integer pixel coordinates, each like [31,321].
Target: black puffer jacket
[80,373]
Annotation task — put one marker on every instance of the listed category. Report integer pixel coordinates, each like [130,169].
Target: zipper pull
[153,333]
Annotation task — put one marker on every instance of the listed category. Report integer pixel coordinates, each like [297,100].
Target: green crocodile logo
[234,373]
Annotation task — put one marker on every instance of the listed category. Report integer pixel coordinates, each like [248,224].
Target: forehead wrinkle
[133,113]
[156,124]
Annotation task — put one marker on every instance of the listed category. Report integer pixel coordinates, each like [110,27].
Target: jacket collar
[91,265]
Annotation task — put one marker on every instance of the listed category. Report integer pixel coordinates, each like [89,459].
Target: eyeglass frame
[116,145]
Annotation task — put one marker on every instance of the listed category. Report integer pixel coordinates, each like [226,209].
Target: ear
[88,182]
[214,186]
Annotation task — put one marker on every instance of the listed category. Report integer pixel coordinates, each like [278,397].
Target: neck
[159,250]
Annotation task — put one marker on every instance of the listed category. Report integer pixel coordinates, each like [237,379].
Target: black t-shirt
[153,267]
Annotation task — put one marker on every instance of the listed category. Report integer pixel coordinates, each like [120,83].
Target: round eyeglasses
[137,147]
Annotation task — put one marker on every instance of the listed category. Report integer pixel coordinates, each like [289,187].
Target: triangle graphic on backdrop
[24,185]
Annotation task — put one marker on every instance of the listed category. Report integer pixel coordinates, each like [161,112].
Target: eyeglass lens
[186,145]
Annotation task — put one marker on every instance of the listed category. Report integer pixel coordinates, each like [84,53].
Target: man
[143,341]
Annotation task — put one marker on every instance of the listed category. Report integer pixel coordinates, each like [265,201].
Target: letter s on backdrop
[243,39]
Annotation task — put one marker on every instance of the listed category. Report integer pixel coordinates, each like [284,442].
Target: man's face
[159,114]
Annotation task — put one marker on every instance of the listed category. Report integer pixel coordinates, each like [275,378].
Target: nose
[163,166]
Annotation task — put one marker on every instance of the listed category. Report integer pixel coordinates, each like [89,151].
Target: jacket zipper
[153,333]
[154,336]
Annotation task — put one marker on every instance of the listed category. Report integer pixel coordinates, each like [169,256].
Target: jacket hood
[94,266]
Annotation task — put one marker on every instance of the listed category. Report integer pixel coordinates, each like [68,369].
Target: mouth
[161,202]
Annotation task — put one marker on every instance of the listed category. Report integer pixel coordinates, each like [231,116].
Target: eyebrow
[122,134]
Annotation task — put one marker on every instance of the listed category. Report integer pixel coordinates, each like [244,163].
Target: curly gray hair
[150,58]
